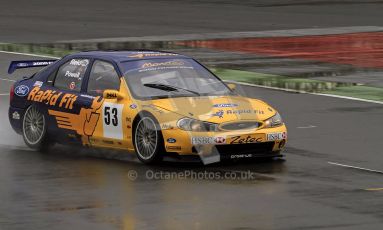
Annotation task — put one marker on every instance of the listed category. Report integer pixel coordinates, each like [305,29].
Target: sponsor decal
[226,105]
[72,75]
[245,139]
[218,114]
[148,54]
[23,64]
[41,63]
[164,68]
[241,111]
[22,90]
[208,140]
[133,106]
[79,62]
[171,140]
[52,98]
[276,136]
[16,115]
[220,140]
[270,109]
[129,119]
[38,83]
[156,64]
[238,156]
[202,140]
[84,123]
[111,95]
[173,147]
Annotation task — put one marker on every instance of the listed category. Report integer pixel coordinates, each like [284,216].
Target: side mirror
[232,86]
[112,94]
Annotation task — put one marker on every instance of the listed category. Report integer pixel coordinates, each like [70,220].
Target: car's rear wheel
[34,129]
[148,141]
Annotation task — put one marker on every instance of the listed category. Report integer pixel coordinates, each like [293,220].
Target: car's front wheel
[34,129]
[148,141]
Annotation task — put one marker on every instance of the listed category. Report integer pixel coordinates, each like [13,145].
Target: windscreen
[164,78]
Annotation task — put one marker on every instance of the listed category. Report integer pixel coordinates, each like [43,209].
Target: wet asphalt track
[72,189]
[69,187]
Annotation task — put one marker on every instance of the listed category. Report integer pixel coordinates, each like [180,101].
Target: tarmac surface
[45,21]
[332,177]
[83,189]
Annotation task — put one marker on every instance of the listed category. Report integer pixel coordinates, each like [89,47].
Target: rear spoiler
[28,64]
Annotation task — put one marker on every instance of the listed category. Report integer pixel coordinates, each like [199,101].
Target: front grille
[255,148]
[241,125]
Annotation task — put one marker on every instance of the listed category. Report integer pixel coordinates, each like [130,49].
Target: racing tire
[35,130]
[148,140]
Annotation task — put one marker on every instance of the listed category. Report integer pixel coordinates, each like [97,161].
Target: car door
[64,103]
[109,131]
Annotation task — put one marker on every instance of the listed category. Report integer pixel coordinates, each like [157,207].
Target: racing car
[153,103]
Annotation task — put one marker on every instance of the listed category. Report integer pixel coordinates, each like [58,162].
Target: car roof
[129,55]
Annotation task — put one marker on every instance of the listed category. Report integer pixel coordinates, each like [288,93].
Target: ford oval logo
[21,90]
[171,140]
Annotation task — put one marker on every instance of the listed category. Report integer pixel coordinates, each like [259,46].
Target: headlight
[189,124]
[274,121]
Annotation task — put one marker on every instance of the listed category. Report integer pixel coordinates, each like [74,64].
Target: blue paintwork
[20,103]
[27,64]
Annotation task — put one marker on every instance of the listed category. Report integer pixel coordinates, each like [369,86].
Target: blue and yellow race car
[153,103]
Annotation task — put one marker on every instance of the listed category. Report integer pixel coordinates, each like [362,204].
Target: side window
[70,75]
[102,76]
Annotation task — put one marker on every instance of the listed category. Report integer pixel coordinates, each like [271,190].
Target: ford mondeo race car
[154,103]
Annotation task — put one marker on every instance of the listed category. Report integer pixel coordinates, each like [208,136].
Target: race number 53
[112,114]
[108,117]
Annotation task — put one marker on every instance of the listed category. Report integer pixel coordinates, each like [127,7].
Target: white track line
[4,79]
[4,94]
[355,167]
[28,54]
[299,91]
[348,98]
[306,127]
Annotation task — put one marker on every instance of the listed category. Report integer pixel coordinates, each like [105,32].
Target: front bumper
[233,144]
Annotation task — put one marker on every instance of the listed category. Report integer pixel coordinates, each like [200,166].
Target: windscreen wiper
[169,88]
